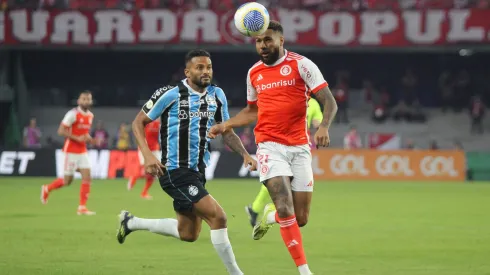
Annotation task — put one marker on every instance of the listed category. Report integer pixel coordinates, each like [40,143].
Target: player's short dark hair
[85,92]
[275,26]
[196,53]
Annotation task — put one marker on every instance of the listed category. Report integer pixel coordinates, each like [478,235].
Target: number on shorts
[263,158]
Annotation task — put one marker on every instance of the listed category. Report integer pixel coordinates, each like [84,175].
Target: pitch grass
[388,228]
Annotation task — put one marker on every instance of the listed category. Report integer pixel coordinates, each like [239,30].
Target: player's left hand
[216,130]
[322,139]
[249,162]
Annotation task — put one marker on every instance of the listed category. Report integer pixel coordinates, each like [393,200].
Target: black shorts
[185,186]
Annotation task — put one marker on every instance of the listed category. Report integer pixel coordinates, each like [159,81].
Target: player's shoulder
[295,56]
[299,59]
[255,67]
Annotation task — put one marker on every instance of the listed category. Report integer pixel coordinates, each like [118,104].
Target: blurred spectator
[32,135]
[433,145]
[409,85]
[417,113]
[352,139]
[477,112]
[462,91]
[402,111]
[340,93]
[123,137]
[248,140]
[446,86]
[101,136]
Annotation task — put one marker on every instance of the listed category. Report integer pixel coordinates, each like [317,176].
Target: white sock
[304,270]
[271,218]
[166,227]
[222,244]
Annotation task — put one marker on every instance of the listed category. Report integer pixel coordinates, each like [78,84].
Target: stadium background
[411,76]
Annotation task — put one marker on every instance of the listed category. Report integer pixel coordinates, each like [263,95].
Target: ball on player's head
[252,19]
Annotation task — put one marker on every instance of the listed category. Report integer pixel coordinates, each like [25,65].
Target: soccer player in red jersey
[152,133]
[75,127]
[278,89]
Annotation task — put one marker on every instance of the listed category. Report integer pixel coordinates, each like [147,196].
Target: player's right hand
[153,166]
[216,130]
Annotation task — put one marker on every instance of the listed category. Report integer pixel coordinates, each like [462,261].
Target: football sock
[271,217]
[149,182]
[166,227]
[222,245]
[84,192]
[291,235]
[57,183]
[132,181]
[261,199]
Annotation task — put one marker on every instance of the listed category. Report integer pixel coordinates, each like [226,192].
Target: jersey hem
[314,91]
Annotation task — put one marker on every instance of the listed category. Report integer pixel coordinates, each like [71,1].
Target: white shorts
[280,160]
[157,154]
[74,162]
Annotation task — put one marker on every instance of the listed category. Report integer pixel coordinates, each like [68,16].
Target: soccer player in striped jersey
[187,112]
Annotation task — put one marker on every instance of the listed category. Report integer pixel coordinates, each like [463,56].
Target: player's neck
[196,88]
[282,53]
[83,109]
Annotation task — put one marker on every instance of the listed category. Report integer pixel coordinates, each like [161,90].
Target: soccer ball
[252,19]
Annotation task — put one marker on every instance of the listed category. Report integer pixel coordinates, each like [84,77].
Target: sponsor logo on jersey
[277,84]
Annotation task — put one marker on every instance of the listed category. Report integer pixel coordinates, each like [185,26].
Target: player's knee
[284,210]
[189,237]
[220,219]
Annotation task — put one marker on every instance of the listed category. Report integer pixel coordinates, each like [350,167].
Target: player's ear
[187,72]
[281,39]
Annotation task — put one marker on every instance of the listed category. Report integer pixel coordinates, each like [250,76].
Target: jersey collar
[192,90]
[82,111]
[279,61]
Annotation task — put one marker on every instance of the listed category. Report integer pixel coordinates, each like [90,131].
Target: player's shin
[222,245]
[166,227]
[149,182]
[84,192]
[57,183]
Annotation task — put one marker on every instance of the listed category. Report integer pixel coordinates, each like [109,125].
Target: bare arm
[139,124]
[234,142]
[325,97]
[65,132]
[245,117]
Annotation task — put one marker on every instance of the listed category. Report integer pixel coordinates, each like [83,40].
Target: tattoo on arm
[325,97]
[234,142]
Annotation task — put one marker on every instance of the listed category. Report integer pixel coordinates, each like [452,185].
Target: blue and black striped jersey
[186,117]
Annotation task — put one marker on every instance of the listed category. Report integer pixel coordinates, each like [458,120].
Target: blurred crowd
[226,5]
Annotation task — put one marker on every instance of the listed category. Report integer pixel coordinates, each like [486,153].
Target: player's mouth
[264,55]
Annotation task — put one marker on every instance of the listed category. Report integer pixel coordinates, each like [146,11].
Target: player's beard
[199,83]
[271,58]
[85,107]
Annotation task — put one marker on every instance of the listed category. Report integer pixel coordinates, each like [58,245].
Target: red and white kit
[76,156]
[281,92]
[152,132]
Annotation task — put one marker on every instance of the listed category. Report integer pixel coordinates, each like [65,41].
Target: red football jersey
[152,132]
[79,123]
[281,92]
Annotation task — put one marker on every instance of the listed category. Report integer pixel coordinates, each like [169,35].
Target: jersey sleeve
[160,101]
[251,92]
[311,74]
[222,113]
[69,118]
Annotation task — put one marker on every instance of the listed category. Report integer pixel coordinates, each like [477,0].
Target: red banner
[301,27]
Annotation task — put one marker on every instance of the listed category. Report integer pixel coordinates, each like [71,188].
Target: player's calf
[302,202]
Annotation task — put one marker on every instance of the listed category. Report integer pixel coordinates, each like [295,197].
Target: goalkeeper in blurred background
[314,116]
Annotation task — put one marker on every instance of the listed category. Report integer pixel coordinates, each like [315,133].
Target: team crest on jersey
[210,100]
[285,70]
[149,104]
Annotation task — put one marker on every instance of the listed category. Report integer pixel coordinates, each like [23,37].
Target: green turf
[387,228]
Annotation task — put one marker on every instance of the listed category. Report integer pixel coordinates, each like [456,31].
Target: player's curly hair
[275,26]
[195,53]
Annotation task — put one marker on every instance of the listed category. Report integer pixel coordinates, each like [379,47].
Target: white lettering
[7,161]
[204,21]
[415,30]
[99,163]
[393,165]
[24,158]
[151,19]
[438,166]
[344,22]
[21,31]
[111,21]
[277,84]
[70,22]
[375,24]
[297,21]
[348,165]
[213,162]
[458,30]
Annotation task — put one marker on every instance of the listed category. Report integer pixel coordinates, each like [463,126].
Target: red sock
[291,235]
[57,183]
[84,191]
[132,180]
[149,182]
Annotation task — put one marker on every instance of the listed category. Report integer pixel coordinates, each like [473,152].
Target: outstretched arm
[234,142]
[245,117]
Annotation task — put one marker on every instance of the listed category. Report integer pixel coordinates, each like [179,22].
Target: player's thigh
[69,167]
[189,226]
[273,160]
[280,191]
[302,183]
[84,166]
